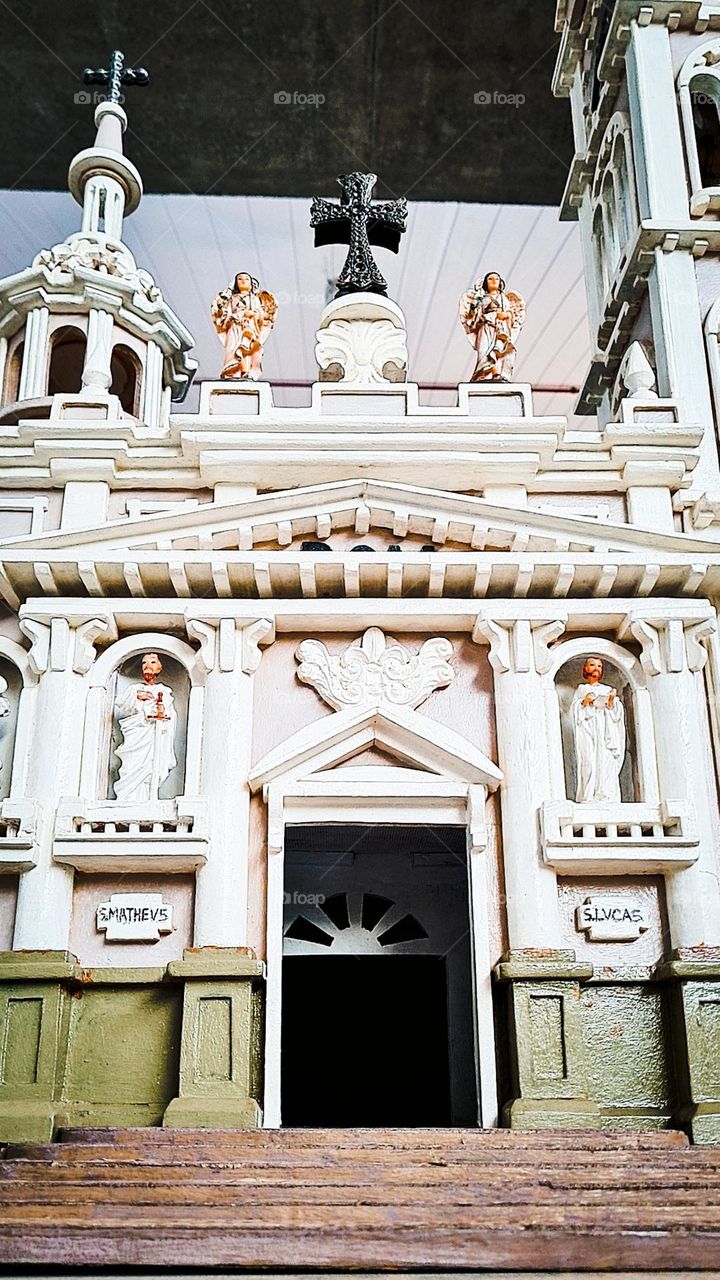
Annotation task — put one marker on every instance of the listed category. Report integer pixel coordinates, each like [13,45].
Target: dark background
[398,78]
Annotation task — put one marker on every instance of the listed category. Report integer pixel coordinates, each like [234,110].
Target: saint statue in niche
[147,717]
[492,318]
[243,317]
[598,719]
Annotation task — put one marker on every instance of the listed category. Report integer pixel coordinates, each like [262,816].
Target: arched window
[67,357]
[699,92]
[623,191]
[12,374]
[126,373]
[600,253]
[610,215]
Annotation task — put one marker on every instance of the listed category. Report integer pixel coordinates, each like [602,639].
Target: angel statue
[243,317]
[492,319]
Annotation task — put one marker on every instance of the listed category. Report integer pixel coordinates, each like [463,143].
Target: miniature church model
[358,760]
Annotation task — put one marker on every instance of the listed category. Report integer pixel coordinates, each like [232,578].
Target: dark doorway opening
[378,1026]
[365,1042]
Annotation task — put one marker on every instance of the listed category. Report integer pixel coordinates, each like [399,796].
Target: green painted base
[213,1113]
[530,1113]
[703,1123]
[26,1121]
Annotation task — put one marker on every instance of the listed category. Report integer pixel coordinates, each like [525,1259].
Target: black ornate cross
[115,76]
[359,223]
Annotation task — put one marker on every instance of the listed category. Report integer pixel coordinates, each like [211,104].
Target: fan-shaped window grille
[336,915]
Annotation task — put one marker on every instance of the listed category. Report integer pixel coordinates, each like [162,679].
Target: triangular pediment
[419,745]
[281,520]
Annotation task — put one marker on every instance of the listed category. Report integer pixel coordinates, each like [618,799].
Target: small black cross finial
[359,223]
[115,76]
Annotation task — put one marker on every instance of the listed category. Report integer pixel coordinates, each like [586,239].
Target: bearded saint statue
[243,317]
[598,720]
[492,319]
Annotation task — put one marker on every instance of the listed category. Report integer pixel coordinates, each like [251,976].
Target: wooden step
[343,1200]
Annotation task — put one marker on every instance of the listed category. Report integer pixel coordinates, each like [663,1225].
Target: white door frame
[380,796]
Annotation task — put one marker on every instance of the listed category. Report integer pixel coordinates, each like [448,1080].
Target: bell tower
[86,334]
[644,86]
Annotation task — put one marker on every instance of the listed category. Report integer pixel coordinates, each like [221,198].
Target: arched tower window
[623,190]
[12,374]
[610,214]
[600,252]
[704,92]
[66,361]
[699,93]
[126,371]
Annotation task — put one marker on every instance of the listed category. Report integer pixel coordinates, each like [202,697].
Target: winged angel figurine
[243,317]
[492,318]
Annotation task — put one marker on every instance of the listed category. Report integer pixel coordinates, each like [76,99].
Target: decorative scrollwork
[375,668]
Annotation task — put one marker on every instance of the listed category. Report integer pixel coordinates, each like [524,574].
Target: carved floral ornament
[375,668]
[88,252]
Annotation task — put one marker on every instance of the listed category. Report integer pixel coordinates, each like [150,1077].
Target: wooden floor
[368,1200]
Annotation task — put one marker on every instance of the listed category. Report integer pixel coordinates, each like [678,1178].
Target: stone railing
[18,822]
[162,835]
[611,838]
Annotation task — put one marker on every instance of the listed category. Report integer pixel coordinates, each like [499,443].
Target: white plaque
[612,919]
[134,917]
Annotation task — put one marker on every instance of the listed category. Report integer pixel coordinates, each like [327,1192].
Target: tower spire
[101,178]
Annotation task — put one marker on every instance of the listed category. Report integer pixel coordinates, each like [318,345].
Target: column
[33,374]
[523,755]
[96,374]
[229,650]
[672,658]
[152,403]
[61,654]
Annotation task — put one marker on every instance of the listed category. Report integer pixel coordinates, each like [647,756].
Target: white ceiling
[193,245]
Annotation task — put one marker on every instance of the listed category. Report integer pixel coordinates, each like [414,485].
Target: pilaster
[516,648]
[672,656]
[230,653]
[61,653]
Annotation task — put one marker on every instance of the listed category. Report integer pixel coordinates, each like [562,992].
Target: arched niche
[638,775]
[17,683]
[174,675]
[67,359]
[13,369]
[126,378]
[120,666]
[10,687]
[698,85]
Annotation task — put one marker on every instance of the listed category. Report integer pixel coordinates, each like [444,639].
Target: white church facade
[372,714]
